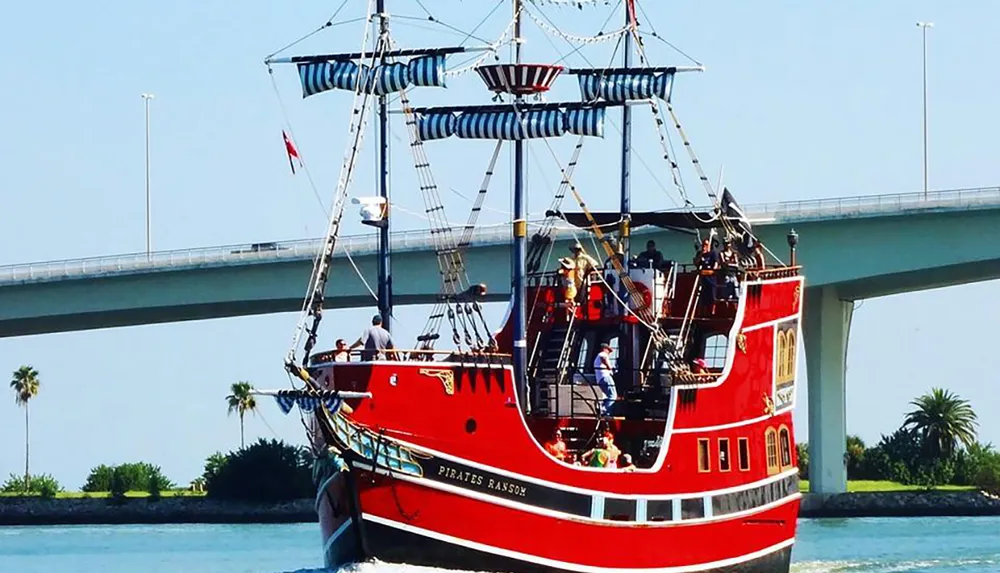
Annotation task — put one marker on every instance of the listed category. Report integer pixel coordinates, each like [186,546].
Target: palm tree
[942,419]
[25,384]
[241,401]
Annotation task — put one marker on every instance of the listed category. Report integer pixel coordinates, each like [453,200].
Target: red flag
[630,9]
[291,151]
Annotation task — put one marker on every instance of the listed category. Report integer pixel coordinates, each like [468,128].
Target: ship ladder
[551,364]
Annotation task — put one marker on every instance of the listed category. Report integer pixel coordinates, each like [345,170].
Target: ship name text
[480,481]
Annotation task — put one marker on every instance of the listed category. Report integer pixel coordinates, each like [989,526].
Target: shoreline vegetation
[933,465]
[176,507]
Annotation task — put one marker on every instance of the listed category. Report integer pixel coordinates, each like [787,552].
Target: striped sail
[620,87]
[425,71]
[510,125]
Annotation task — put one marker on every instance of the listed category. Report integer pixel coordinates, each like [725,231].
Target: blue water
[824,546]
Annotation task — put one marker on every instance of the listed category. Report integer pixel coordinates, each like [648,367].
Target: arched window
[771,443]
[782,343]
[785,445]
[790,352]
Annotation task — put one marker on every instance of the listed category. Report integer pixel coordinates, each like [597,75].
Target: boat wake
[846,566]
[376,566]
[890,566]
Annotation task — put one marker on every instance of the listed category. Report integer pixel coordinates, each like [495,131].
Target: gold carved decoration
[447,377]
[796,297]
[768,405]
[741,342]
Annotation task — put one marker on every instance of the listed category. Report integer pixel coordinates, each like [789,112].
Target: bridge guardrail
[421,239]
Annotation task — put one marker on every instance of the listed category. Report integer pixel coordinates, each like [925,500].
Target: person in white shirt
[602,372]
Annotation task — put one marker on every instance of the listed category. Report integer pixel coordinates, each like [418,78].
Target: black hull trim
[392,545]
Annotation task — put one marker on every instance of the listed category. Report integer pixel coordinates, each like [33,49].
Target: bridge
[851,248]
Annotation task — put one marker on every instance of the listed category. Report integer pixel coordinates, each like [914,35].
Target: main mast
[626,175]
[520,232]
[384,252]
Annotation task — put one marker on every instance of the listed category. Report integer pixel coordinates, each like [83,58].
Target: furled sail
[512,125]
[317,77]
[625,84]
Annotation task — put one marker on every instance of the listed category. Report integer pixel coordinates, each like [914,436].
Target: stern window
[771,442]
[743,445]
[724,462]
[785,442]
[704,464]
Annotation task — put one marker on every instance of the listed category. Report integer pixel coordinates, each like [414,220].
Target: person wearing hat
[376,340]
[567,277]
[602,372]
[584,264]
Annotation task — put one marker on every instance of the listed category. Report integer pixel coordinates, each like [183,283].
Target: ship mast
[626,175]
[520,232]
[628,329]
[384,253]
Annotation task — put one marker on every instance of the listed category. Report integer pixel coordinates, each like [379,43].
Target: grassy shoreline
[881,486]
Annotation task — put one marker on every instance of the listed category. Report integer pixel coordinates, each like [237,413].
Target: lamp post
[793,241]
[146,98]
[924,26]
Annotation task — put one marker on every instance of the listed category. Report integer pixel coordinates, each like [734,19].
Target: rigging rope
[313,303]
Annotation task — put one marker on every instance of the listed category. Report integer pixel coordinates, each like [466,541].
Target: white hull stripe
[573,566]
[562,487]
[336,535]
[639,512]
[322,490]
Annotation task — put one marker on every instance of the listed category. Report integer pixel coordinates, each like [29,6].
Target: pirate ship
[469,457]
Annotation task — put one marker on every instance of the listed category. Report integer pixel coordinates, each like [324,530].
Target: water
[929,545]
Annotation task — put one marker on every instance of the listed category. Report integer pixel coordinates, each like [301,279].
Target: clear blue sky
[800,100]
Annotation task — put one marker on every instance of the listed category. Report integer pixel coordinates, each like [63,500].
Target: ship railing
[357,356]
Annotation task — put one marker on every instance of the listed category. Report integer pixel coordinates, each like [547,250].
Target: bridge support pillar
[826,325]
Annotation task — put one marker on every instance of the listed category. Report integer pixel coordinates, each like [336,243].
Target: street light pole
[146,98]
[924,26]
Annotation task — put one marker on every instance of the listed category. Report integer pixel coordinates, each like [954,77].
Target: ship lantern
[793,241]
[519,79]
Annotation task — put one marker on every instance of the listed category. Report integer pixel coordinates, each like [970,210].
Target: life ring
[647,296]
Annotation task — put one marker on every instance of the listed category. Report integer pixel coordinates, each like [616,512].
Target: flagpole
[146,97]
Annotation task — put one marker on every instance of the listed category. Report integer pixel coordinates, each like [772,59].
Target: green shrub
[267,471]
[118,485]
[153,487]
[971,460]
[855,456]
[213,465]
[42,484]
[134,476]
[802,453]
[988,476]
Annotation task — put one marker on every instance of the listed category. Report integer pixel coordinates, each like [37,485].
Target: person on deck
[556,447]
[584,264]
[376,340]
[341,353]
[707,262]
[567,278]
[599,456]
[729,263]
[602,372]
[626,464]
[651,257]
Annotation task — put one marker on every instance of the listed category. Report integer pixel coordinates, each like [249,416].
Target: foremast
[518,248]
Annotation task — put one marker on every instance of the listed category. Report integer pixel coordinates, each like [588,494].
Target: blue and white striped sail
[286,400]
[627,86]
[425,71]
[511,125]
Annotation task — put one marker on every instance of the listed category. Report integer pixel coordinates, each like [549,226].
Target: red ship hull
[440,467]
